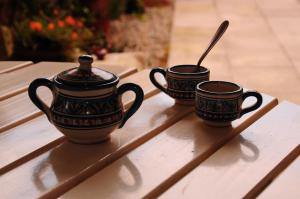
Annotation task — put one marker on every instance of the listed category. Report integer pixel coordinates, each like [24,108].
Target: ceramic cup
[181,81]
[218,103]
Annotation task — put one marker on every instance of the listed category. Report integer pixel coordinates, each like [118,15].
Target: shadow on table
[169,113]
[207,140]
[68,160]
[238,149]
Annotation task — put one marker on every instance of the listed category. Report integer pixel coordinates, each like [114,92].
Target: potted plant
[55,32]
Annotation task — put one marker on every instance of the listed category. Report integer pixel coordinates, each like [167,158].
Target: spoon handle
[222,28]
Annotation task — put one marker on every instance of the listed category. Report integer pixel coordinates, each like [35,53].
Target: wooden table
[163,151]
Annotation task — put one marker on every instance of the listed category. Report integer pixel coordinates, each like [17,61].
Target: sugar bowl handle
[139,97]
[258,103]
[153,79]
[34,97]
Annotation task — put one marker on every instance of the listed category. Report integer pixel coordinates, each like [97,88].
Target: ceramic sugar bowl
[86,104]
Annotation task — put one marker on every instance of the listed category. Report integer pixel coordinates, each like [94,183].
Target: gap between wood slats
[288,180]
[31,155]
[16,67]
[13,93]
[260,186]
[21,121]
[24,76]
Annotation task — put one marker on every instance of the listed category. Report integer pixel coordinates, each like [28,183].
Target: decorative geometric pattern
[85,107]
[87,122]
[183,89]
[71,112]
[182,95]
[184,84]
[217,109]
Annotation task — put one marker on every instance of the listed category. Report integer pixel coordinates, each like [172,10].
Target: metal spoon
[222,28]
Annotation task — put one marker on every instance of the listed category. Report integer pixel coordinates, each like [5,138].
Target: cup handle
[34,97]
[255,106]
[154,81]
[139,97]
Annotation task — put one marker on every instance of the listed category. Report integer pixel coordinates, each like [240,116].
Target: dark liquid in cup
[188,69]
[219,87]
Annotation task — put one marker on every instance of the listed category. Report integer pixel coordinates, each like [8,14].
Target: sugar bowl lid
[85,77]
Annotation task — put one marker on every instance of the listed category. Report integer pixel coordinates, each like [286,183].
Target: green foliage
[135,7]
[119,7]
[116,8]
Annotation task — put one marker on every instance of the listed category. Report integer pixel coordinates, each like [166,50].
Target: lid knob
[85,63]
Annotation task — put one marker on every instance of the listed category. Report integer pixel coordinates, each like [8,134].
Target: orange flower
[51,26]
[70,20]
[35,25]
[79,24]
[60,23]
[39,26]
[74,36]
[32,25]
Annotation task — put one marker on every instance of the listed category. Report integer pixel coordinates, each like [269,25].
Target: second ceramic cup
[181,81]
[218,103]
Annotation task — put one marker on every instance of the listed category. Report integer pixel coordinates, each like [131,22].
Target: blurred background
[259,50]
[52,30]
